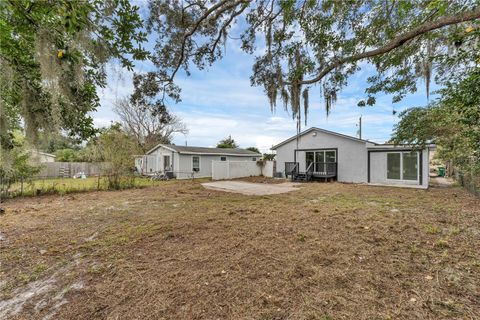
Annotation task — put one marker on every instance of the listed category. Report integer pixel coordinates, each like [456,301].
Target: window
[195,163]
[254,159]
[223,158]
[166,163]
[402,166]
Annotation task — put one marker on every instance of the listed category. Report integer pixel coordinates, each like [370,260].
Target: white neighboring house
[320,153]
[42,157]
[185,162]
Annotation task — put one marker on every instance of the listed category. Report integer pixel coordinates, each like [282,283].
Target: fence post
[21,186]
[98,182]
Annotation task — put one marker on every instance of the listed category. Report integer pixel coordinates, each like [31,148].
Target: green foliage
[117,149]
[17,165]
[254,149]
[52,59]
[67,155]
[452,122]
[51,143]
[309,43]
[226,143]
[269,156]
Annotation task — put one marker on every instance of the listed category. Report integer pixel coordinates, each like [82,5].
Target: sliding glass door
[402,166]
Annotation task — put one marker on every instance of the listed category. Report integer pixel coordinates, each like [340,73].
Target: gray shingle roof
[204,150]
[321,130]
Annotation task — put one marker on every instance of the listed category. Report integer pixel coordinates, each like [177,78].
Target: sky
[219,101]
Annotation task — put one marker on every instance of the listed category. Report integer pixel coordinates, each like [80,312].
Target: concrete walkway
[441,182]
[251,189]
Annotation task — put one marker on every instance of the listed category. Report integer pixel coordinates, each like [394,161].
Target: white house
[184,162]
[323,154]
[42,157]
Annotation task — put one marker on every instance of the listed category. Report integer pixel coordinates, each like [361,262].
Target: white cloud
[101,122]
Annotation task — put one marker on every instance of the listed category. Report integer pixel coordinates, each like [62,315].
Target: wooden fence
[69,169]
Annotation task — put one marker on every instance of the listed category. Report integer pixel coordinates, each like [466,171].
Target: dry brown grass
[327,251]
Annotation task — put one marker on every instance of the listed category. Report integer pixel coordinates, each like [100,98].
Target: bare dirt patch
[251,189]
[326,251]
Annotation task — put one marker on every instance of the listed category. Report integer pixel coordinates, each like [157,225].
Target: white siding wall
[184,168]
[351,154]
[149,164]
[268,168]
[378,169]
[157,163]
[235,169]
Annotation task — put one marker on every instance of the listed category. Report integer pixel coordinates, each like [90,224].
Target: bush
[16,166]
[117,150]
[67,155]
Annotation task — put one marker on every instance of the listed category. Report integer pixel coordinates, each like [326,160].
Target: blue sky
[219,101]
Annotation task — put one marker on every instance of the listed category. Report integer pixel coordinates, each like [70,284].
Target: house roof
[47,154]
[399,147]
[324,131]
[43,153]
[207,151]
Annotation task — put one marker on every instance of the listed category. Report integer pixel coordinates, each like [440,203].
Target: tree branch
[229,5]
[397,42]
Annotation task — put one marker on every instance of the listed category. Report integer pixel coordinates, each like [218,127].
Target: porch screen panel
[330,160]
[309,158]
[166,162]
[393,166]
[320,159]
[410,166]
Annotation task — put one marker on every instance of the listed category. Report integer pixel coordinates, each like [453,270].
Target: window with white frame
[402,166]
[223,158]
[254,159]
[196,163]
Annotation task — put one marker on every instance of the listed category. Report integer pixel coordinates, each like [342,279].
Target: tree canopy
[53,58]
[301,44]
[254,149]
[228,142]
[148,124]
[452,122]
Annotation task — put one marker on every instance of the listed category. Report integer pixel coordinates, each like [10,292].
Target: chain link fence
[35,186]
[469,181]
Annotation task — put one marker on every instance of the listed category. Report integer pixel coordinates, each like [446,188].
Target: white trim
[219,154]
[401,167]
[158,146]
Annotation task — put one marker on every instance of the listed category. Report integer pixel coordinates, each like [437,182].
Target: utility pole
[359,125]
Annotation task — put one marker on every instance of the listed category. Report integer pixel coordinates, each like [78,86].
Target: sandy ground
[249,188]
[441,182]
[180,251]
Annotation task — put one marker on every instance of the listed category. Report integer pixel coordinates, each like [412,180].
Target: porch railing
[291,168]
[322,169]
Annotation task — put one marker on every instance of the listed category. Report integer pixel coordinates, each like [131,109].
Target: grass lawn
[70,185]
[178,251]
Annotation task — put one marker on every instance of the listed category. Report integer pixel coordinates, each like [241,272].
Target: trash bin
[441,171]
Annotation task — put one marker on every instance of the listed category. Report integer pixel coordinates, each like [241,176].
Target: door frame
[420,155]
[316,149]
